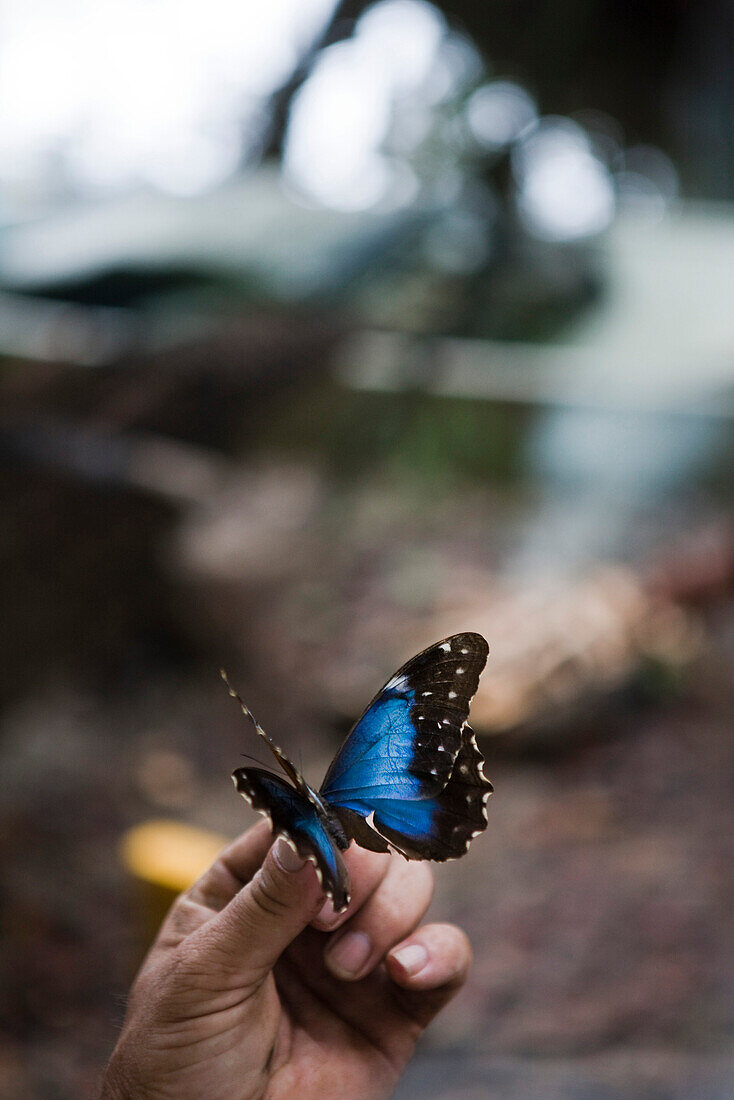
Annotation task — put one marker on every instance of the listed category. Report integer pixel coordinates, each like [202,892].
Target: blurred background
[328,329]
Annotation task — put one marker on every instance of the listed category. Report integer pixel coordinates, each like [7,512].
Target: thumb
[250,934]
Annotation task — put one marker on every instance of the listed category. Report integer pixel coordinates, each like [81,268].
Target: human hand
[255,988]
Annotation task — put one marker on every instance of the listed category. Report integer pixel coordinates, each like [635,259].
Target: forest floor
[598,902]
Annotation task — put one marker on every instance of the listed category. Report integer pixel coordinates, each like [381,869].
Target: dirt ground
[599,901]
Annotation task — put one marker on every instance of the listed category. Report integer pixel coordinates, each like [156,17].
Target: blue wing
[298,819]
[401,754]
[406,742]
[441,827]
[379,755]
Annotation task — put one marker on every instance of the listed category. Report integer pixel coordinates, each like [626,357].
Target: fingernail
[349,954]
[288,860]
[411,958]
[327,916]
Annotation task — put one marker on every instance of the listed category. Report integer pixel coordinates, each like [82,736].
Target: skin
[255,988]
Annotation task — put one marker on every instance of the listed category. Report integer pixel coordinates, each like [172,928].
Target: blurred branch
[338,28]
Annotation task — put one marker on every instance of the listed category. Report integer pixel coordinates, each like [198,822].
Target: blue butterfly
[408,776]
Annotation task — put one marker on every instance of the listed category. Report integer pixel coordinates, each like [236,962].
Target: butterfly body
[408,776]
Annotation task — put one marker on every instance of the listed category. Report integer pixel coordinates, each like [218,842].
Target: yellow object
[163,858]
[169,853]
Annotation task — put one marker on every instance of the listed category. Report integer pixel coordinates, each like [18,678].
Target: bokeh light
[647,183]
[564,191]
[341,119]
[497,113]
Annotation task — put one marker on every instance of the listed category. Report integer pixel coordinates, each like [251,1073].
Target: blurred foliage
[427,444]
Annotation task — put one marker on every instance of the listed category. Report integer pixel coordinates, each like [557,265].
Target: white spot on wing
[445,646]
[452,695]
[398,683]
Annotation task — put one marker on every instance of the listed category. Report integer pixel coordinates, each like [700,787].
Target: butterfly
[408,776]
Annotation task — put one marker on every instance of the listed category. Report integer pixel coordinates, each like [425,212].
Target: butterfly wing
[405,744]
[409,763]
[441,827]
[298,820]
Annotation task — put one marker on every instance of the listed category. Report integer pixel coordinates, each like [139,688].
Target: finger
[248,936]
[234,866]
[428,969]
[367,871]
[395,908]
[389,1006]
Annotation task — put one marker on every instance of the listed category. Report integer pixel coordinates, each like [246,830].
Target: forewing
[405,744]
[296,818]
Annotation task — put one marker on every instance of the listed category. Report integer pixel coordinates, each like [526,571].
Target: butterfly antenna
[278,753]
[243,706]
[247,756]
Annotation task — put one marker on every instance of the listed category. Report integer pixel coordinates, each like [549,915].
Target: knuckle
[420,883]
[425,878]
[267,895]
[190,965]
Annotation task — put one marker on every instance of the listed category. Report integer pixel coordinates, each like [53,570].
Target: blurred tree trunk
[339,27]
